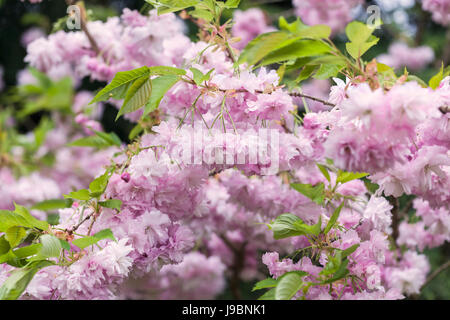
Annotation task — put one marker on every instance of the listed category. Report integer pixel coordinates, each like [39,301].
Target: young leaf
[27,251]
[111,204]
[82,194]
[98,186]
[324,171]
[314,193]
[10,219]
[232,4]
[344,176]
[333,218]
[91,240]
[35,223]
[298,49]
[166,71]
[436,79]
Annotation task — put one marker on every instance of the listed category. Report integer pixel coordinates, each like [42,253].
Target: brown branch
[436,273]
[237,267]
[297,94]
[395,218]
[83,20]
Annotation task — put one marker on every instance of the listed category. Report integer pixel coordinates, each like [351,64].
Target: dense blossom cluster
[197,190]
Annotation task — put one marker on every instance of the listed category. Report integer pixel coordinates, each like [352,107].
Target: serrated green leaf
[51,247]
[283,226]
[120,84]
[137,96]
[288,286]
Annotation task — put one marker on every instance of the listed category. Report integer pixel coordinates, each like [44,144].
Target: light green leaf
[82,194]
[232,4]
[333,218]
[51,205]
[98,186]
[160,86]
[16,284]
[15,235]
[344,176]
[298,49]
[137,96]
[111,204]
[261,46]
[436,79]
[266,283]
[51,247]
[324,171]
[269,295]
[315,193]
[120,84]
[166,71]
[288,286]
[283,226]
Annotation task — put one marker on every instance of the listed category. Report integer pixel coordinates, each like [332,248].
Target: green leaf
[51,205]
[110,137]
[436,79]
[261,46]
[298,49]
[120,84]
[100,140]
[160,87]
[288,286]
[51,246]
[361,39]
[269,295]
[344,176]
[324,171]
[297,27]
[35,223]
[306,73]
[349,250]
[166,71]
[64,244]
[333,218]
[202,14]
[10,219]
[27,251]
[111,204]
[137,128]
[266,283]
[315,193]
[15,285]
[91,240]
[15,235]
[306,229]
[4,245]
[166,6]
[82,194]
[232,4]
[341,273]
[283,226]
[98,186]
[137,96]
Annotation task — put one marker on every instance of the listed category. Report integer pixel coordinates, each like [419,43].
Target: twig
[436,273]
